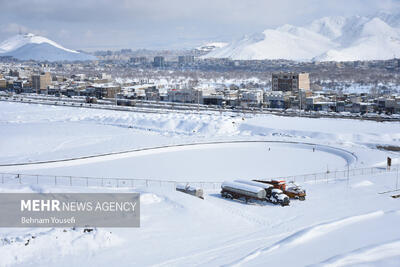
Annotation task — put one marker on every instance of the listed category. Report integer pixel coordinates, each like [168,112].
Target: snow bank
[308,234]
[165,124]
[362,184]
[377,255]
[149,198]
[338,130]
[46,246]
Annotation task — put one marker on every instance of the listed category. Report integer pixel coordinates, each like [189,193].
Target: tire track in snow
[306,235]
[205,257]
[219,249]
[364,255]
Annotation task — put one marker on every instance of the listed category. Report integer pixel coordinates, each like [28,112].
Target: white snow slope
[32,47]
[326,39]
[208,47]
[341,223]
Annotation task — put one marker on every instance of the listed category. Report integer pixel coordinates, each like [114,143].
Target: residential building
[41,82]
[185,96]
[159,61]
[275,99]
[3,83]
[214,99]
[18,86]
[103,90]
[290,81]
[138,60]
[252,98]
[182,60]
[152,93]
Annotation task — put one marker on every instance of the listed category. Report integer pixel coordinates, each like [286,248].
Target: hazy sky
[116,24]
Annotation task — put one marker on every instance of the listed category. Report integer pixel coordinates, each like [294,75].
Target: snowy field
[203,162]
[341,223]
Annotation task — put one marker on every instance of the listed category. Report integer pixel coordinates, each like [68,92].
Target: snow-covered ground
[341,223]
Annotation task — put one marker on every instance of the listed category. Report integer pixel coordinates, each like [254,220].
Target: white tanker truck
[253,190]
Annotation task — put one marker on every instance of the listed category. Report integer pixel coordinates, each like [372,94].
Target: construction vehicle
[253,190]
[295,191]
[292,190]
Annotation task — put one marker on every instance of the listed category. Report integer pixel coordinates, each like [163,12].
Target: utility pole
[196,83]
[397,176]
[301,101]
[198,100]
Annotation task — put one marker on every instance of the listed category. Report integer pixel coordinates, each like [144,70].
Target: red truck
[292,190]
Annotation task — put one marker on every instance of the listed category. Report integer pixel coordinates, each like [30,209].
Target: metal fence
[59,180]
[338,174]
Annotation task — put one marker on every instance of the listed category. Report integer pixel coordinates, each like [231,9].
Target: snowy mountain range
[32,47]
[326,39]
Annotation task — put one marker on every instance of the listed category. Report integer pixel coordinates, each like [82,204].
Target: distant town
[363,88]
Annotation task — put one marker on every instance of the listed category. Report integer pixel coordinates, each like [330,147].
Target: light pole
[397,176]
[198,101]
[301,101]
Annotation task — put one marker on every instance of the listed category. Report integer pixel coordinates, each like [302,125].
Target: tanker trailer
[234,190]
[275,196]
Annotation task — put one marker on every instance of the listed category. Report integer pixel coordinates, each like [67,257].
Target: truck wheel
[302,198]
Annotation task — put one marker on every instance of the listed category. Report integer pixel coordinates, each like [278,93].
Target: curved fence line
[19,178]
[60,180]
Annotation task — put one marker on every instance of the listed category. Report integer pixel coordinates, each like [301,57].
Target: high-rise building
[182,60]
[3,83]
[290,81]
[138,60]
[41,82]
[159,61]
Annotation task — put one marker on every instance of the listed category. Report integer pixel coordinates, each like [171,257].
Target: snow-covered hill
[325,39]
[208,47]
[29,46]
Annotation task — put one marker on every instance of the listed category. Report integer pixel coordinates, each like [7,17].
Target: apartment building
[290,81]
[41,82]
[159,62]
